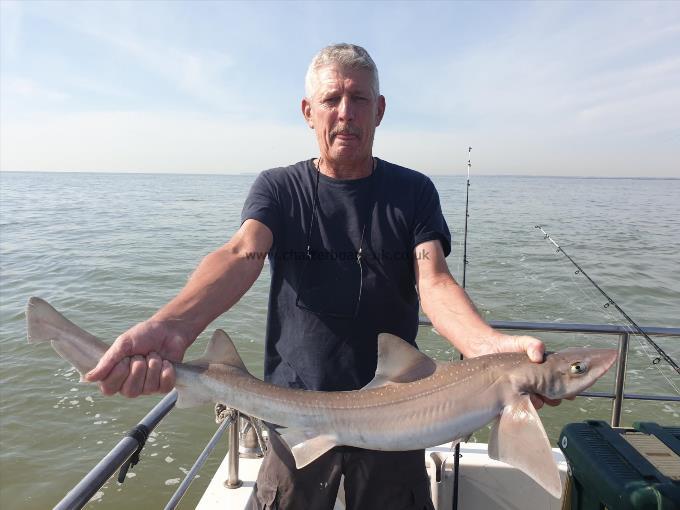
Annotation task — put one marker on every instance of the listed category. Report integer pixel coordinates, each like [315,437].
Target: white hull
[484,483]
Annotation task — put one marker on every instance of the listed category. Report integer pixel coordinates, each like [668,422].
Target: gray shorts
[373,480]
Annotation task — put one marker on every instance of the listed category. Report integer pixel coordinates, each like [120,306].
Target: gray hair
[350,56]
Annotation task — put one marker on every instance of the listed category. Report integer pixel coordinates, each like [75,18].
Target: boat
[482,483]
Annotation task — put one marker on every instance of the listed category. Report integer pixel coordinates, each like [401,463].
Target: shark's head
[569,372]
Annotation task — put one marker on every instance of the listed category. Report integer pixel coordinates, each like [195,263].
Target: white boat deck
[484,483]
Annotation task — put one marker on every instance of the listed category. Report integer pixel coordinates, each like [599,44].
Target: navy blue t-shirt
[322,344]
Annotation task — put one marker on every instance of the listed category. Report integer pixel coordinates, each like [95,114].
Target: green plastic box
[622,469]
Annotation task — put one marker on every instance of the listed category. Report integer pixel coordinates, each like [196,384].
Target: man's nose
[346,109]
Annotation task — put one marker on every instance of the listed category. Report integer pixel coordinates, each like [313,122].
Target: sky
[535,88]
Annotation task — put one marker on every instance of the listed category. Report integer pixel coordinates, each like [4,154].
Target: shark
[413,402]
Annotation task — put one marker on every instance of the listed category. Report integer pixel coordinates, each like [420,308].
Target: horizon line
[254,173]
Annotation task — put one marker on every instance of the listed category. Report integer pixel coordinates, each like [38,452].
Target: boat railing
[623,332]
[128,449]
[120,455]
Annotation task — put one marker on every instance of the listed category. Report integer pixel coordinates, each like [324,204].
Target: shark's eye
[578,367]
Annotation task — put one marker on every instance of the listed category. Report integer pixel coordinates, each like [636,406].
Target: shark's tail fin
[74,344]
[83,351]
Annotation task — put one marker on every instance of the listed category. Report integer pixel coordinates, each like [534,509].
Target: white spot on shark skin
[169,459]
[153,454]
[130,474]
[89,399]
[98,496]
[172,481]
[73,389]
[73,402]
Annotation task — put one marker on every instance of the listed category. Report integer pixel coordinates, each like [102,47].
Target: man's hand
[139,361]
[456,318]
[534,348]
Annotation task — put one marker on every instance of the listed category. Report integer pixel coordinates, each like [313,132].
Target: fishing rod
[467,196]
[456,455]
[609,302]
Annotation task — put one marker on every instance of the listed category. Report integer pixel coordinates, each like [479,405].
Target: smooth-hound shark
[413,402]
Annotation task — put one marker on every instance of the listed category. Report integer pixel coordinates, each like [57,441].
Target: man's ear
[381,110]
[307,112]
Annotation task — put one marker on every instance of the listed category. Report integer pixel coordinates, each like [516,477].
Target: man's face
[344,112]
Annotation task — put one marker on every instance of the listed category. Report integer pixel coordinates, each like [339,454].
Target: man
[356,245]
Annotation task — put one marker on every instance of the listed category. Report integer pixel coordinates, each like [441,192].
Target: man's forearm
[219,281]
[455,317]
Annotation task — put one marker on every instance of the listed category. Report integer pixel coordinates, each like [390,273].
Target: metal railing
[126,448]
[232,422]
[623,333]
[119,455]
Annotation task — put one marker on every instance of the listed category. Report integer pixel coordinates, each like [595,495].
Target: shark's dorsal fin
[399,362]
[519,439]
[220,356]
[221,351]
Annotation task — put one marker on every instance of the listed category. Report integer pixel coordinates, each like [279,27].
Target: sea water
[109,249]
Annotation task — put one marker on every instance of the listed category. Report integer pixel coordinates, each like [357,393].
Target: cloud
[10,27]
[550,65]
[149,142]
[199,73]
[28,89]
[536,88]
[177,142]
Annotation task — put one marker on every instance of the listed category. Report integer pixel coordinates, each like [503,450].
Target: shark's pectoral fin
[399,362]
[305,446]
[518,439]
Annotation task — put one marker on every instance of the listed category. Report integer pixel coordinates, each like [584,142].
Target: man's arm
[138,362]
[455,317]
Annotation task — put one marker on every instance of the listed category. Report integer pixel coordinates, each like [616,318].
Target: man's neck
[353,170]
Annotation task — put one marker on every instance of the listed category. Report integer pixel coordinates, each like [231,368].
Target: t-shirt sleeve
[429,221]
[263,204]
